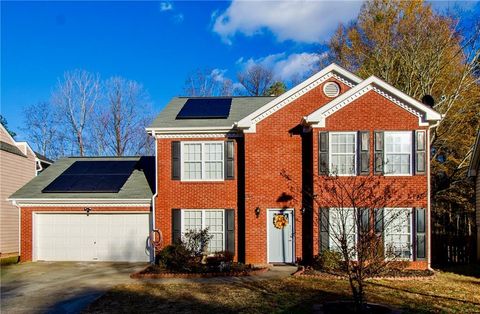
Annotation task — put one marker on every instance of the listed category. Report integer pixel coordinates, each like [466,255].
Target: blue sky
[156,43]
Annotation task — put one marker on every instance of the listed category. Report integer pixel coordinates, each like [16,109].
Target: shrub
[196,241]
[185,255]
[221,261]
[175,257]
[328,261]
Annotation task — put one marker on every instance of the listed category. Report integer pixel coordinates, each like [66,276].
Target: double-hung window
[343,153]
[342,229]
[202,161]
[398,153]
[214,220]
[398,233]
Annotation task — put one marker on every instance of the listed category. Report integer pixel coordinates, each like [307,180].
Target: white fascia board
[71,201]
[247,122]
[191,130]
[317,118]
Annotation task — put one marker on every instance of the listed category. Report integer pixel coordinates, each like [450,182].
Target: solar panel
[205,108]
[92,177]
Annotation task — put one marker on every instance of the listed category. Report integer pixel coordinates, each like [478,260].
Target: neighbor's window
[202,161]
[398,233]
[342,227]
[343,153]
[213,220]
[398,153]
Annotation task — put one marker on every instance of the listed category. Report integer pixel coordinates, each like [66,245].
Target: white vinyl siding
[202,161]
[343,150]
[398,233]
[398,153]
[214,220]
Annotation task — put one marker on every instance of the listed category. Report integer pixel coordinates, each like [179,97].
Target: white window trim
[330,154]
[385,155]
[330,240]
[182,228]
[182,161]
[410,210]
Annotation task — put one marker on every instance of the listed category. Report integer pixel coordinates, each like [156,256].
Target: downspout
[14,203]
[429,228]
[152,234]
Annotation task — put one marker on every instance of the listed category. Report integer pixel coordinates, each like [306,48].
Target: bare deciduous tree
[208,82]
[120,119]
[75,97]
[42,129]
[256,79]
[356,215]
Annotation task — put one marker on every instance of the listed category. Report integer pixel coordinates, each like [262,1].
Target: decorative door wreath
[280,221]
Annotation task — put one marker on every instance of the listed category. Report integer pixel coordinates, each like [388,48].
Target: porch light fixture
[87,210]
[257,212]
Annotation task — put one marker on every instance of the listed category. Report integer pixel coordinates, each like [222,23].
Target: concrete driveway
[59,287]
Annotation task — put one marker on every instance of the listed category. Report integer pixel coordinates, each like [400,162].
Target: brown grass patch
[447,292]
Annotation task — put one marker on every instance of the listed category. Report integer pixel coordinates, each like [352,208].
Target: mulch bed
[156,272]
[389,274]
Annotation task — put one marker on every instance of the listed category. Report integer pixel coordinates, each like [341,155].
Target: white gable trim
[424,113]
[8,134]
[248,123]
[25,147]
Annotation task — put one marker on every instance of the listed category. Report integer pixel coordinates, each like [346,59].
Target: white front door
[280,237]
[96,237]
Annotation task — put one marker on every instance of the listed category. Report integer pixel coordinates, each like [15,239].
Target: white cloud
[301,21]
[286,67]
[218,74]
[166,6]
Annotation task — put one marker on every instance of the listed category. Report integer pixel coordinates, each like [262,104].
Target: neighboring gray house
[474,171]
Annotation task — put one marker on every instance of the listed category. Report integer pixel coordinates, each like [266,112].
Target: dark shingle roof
[43,158]
[240,108]
[6,147]
[140,184]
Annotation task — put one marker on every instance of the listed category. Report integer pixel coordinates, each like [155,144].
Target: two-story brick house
[220,161]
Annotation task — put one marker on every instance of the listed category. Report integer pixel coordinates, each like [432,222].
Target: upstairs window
[398,153]
[202,161]
[343,153]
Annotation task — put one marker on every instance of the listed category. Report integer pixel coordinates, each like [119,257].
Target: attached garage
[88,209]
[93,237]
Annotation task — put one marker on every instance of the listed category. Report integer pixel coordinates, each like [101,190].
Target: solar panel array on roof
[92,177]
[205,108]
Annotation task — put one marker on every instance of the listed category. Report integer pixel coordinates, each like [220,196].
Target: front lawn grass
[447,292]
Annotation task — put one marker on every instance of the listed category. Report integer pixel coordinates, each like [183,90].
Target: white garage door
[96,237]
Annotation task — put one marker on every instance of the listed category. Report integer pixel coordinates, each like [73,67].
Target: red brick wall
[369,113]
[188,195]
[268,152]
[276,147]
[26,227]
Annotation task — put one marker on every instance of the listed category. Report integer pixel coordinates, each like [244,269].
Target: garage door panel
[96,237]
